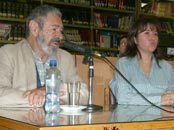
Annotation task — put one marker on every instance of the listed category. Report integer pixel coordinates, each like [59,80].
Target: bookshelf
[97,24]
[79,18]
[12,20]
[110,21]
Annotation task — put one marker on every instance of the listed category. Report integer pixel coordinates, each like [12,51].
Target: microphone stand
[91,107]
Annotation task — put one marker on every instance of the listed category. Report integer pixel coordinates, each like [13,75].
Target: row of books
[167,26]
[14,9]
[72,35]
[79,36]
[83,2]
[159,8]
[113,21]
[102,39]
[118,4]
[76,17]
[12,32]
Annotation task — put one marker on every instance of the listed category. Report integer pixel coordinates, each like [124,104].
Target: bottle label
[52,97]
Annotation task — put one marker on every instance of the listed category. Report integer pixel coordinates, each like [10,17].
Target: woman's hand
[167,98]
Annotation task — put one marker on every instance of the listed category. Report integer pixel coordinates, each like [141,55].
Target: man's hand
[36,97]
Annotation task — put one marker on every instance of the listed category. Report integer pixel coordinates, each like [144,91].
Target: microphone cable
[115,68]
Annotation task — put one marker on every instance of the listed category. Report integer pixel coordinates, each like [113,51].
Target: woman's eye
[146,32]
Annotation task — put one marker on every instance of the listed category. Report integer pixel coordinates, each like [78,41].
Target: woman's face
[147,41]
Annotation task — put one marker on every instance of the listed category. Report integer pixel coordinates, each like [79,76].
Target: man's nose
[59,35]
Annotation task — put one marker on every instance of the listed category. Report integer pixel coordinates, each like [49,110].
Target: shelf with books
[109,9]
[120,5]
[11,19]
[157,7]
[110,29]
[80,18]
[75,14]
[67,3]
[163,11]
[156,16]
[78,36]
[15,9]
[113,21]
[11,32]
[78,15]
[66,25]
[2,42]
[111,18]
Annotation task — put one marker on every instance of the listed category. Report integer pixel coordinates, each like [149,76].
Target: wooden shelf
[64,3]
[89,9]
[12,19]
[158,17]
[7,42]
[110,29]
[77,26]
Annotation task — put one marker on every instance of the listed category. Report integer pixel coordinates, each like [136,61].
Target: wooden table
[123,117]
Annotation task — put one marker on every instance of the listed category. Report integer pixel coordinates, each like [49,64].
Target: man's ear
[34,28]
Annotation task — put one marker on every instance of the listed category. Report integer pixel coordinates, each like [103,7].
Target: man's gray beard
[44,47]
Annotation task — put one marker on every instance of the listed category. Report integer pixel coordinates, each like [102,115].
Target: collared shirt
[152,86]
[41,67]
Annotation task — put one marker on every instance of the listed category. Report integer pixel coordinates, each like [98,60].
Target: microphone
[88,53]
[79,48]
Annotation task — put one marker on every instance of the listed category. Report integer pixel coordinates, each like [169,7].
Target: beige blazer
[18,74]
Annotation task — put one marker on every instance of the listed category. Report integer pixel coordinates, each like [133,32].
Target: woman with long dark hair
[144,68]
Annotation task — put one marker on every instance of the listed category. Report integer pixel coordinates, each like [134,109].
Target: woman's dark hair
[39,14]
[140,26]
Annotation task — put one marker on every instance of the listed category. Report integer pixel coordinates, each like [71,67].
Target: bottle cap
[53,62]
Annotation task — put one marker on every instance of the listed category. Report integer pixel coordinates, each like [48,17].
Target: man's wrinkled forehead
[53,20]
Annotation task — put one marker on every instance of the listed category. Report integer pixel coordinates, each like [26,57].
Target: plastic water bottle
[52,83]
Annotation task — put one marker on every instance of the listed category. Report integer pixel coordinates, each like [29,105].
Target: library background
[97,24]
